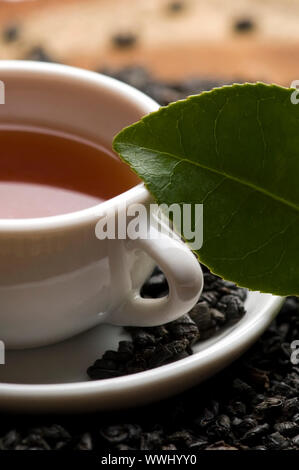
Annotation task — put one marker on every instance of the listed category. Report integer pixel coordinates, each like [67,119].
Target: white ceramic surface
[53,378]
[56,278]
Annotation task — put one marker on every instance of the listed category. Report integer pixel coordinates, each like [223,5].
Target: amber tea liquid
[45,173]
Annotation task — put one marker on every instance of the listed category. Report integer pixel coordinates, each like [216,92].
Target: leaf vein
[218,172]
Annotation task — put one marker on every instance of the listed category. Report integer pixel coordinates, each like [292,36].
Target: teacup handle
[184,277]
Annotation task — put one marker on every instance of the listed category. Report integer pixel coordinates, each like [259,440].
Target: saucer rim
[129,390]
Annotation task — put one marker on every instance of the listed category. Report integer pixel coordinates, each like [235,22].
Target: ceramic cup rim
[87,78]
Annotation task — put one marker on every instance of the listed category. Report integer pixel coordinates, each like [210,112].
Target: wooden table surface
[198,39]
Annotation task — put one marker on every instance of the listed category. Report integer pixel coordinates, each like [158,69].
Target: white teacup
[56,278]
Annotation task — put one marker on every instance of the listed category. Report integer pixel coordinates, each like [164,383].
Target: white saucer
[54,378]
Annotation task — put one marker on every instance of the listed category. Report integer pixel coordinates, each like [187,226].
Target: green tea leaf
[236,150]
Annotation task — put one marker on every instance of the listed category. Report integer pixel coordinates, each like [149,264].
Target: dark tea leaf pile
[221,304]
[253,404]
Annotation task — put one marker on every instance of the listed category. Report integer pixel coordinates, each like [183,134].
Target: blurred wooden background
[247,39]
